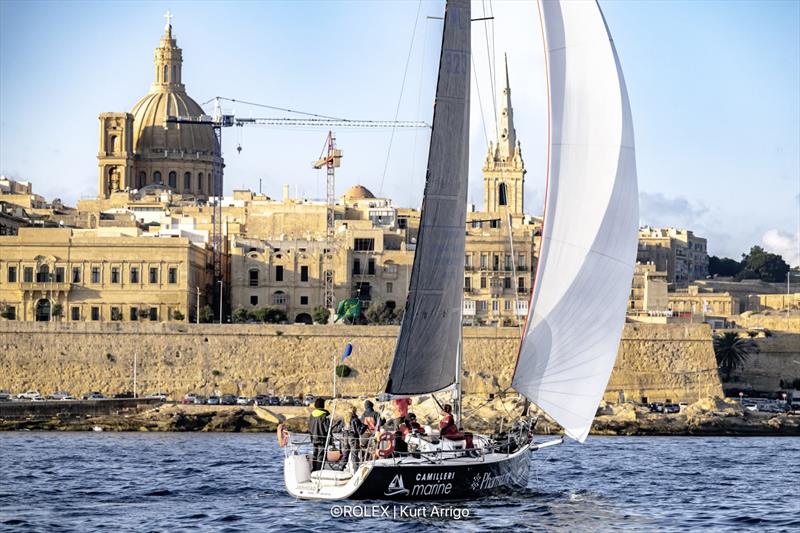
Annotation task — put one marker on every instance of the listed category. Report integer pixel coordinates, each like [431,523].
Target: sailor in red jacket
[447,426]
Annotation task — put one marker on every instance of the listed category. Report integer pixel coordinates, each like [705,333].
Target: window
[12,274]
[116,314]
[363,291]
[356,266]
[501,195]
[134,313]
[187,181]
[114,274]
[506,283]
[509,266]
[482,305]
[95,274]
[153,274]
[142,179]
[507,305]
[75,313]
[390,267]
[303,273]
[389,287]
[370,267]
[11,312]
[402,223]
[364,245]
[154,313]
[483,283]
[253,299]
[43,275]
[520,283]
[521,261]
[494,223]
[477,224]
[483,261]
[95,313]
[279,298]
[495,306]
[173,179]
[59,274]
[172,275]
[156,177]
[468,261]
[304,300]
[253,277]
[200,181]
[467,284]
[134,275]
[76,274]
[27,275]
[279,273]
[495,262]
[164,76]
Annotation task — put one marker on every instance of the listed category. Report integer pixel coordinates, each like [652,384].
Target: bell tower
[115,157]
[168,62]
[504,170]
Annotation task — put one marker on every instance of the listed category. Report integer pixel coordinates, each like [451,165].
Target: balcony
[45,286]
[522,290]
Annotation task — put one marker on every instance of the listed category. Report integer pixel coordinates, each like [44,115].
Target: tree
[240,315]
[58,310]
[206,314]
[732,351]
[177,315]
[320,315]
[759,264]
[723,266]
[273,315]
[378,313]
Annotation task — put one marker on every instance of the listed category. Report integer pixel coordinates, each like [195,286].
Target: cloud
[656,209]
[783,243]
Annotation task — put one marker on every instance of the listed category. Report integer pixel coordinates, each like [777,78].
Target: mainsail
[426,352]
[589,236]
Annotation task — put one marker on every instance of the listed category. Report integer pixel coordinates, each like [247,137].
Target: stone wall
[657,361]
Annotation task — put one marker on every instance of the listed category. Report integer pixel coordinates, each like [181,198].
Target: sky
[714,89]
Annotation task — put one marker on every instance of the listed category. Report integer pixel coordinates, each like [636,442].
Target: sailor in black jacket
[318,425]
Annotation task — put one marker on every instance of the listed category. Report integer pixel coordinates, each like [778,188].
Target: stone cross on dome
[168,15]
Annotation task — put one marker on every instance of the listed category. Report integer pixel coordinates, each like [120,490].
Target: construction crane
[332,160]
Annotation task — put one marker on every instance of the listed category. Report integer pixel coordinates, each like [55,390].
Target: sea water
[234,482]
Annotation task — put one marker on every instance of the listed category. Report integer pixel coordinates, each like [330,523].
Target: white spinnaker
[589,236]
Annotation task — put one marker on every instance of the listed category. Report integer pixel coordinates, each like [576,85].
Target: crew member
[400,445]
[352,444]
[401,410]
[447,426]
[413,425]
[318,425]
[370,417]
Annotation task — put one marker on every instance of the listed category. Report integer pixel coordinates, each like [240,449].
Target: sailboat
[578,304]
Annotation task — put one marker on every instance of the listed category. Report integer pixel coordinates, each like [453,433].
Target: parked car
[60,395]
[308,399]
[656,407]
[213,400]
[242,400]
[157,396]
[124,395]
[228,399]
[261,399]
[189,398]
[672,408]
[200,400]
[287,400]
[274,400]
[5,396]
[94,396]
[30,395]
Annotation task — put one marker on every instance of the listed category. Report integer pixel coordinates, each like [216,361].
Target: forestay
[589,236]
[425,356]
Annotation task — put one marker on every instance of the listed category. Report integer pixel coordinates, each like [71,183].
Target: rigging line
[276,108]
[491,72]
[419,105]
[400,98]
[480,103]
[514,283]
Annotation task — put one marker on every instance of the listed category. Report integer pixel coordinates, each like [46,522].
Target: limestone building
[141,148]
[678,252]
[113,274]
[648,290]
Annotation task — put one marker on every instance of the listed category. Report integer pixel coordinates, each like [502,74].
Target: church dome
[358,192]
[152,136]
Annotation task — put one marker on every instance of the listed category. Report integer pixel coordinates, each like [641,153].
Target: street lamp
[220,301]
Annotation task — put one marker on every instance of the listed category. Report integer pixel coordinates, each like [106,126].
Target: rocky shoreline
[707,417]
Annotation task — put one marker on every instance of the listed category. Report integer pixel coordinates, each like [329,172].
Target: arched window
[112,144]
[165,73]
[43,310]
[43,275]
[187,181]
[173,179]
[142,179]
[156,177]
[279,298]
[200,182]
[211,190]
[174,74]
[502,197]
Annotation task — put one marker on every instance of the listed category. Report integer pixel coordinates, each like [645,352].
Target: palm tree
[732,351]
